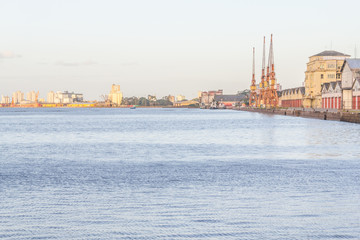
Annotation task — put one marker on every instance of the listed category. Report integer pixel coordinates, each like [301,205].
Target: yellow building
[185,103]
[115,95]
[322,68]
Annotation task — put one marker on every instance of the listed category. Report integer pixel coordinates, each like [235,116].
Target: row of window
[331,76]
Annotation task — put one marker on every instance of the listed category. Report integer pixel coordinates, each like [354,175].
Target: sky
[162,47]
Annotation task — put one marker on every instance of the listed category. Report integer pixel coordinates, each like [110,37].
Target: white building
[350,83]
[18,97]
[51,97]
[31,96]
[64,97]
[331,95]
[5,99]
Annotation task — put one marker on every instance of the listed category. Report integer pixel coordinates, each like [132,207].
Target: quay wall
[353,117]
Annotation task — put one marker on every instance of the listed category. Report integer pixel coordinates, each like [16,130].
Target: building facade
[115,95]
[324,67]
[229,101]
[31,96]
[207,98]
[331,95]
[18,97]
[51,97]
[292,98]
[5,100]
[64,97]
[350,83]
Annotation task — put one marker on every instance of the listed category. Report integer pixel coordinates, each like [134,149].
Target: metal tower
[272,99]
[262,93]
[253,97]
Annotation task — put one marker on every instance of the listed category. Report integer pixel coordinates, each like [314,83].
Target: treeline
[142,101]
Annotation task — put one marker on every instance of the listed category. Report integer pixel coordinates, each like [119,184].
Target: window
[322,76]
[331,65]
[331,76]
[338,76]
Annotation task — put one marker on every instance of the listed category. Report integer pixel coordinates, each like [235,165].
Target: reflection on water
[176,174]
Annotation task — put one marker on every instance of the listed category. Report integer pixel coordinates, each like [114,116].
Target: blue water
[176,174]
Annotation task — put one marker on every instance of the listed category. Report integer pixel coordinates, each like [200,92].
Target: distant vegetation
[142,101]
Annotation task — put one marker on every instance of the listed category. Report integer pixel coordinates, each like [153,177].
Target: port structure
[268,96]
[253,96]
[263,83]
[272,100]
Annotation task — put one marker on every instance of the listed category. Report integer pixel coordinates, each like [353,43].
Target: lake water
[176,174]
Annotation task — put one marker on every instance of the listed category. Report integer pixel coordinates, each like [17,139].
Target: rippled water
[176,174]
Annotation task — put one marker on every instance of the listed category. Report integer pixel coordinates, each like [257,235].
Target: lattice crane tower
[272,99]
[262,93]
[253,97]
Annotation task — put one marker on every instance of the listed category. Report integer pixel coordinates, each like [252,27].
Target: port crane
[253,97]
[268,96]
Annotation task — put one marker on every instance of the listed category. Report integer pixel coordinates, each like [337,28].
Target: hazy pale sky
[163,46]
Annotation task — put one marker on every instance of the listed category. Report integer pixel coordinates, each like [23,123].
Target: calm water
[176,174]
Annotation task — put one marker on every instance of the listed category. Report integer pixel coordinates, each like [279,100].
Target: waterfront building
[331,95]
[351,84]
[322,68]
[51,97]
[186,103]
[292,98]
[64,97]
[229,101]
[207,98]
[31,96]
[5,100]
[17,97]
[115,96]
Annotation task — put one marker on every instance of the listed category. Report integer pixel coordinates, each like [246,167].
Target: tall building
[31,96]
[115,95]
[5,99]
[51,97]
[18,97]
[322,68]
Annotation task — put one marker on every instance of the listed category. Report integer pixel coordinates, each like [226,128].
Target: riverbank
[344,116]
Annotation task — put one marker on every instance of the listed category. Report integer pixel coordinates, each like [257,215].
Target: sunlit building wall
[18,97]
[5,99]
[322,68]
[115,95]
[31,96]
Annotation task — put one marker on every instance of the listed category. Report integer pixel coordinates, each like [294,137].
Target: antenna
[355,51]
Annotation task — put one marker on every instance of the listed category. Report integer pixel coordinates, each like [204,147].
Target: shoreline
[342,116]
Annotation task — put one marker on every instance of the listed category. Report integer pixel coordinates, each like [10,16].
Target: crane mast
[268,96]
[253,97]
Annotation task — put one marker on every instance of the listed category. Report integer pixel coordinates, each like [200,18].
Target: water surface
[176,174]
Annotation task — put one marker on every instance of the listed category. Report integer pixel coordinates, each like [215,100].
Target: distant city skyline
[163,47]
